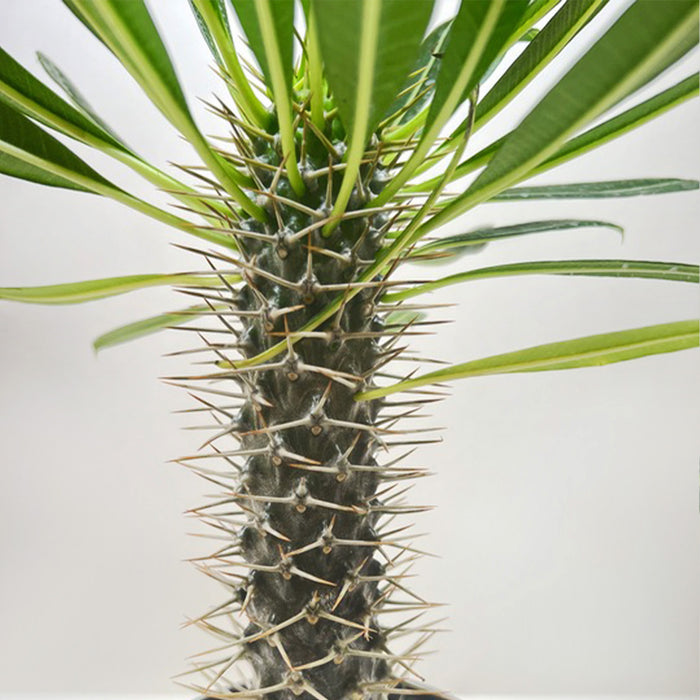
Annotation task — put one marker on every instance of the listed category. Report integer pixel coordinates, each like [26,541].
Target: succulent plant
[347,146]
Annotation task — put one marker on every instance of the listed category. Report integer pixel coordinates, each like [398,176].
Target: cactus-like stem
[310,563]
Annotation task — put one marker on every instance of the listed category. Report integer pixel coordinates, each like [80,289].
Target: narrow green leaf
[640,269]
[372,78]
[622,123]
[445,256]
[218,8]
[77,98]
[598,190]
[128,30]
[270,34]
[625,57]
[90,290]
[368,47]
[212,19]
[29,153]
[352,82]
[590,139]
[554,36]
[536,10]
[675,53]
[401,27]
[469,26]
[453,246]
[148,326]
[590,351]
[477,35]
[419,89]
[250,15]
[409,109]
[516,35]
[36,100]
[23,92]
[86,21]
[314,68]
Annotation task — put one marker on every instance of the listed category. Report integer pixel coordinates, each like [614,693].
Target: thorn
[348,623]
[276,628]
[290,203]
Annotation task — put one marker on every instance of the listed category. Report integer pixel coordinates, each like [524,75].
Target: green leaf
[631,51]
[29,153]
[23,92]
[219,9]
[598,190]
[555,35]
[406,112]
[401,28]
[128,30]
[148,326]
[280,48]
[439,256]
[314,69]
[79,14]
[590,351]
[365,79]
[212,19]
[419,89]
[536,10]
[519,34]
[270,34]
[590,139]
[453,246]
[90,290]
[464,63]
[83,124]
[77,98]
[479,32]
[623,122]
[640,269]
[368,47]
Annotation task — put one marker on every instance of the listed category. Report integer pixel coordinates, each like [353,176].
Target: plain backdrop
[566,527]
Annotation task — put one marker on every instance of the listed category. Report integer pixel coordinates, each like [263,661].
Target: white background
[567,502]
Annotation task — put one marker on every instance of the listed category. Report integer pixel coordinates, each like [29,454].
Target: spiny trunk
[310,564]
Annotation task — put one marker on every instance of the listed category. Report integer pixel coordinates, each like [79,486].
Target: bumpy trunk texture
[308,564]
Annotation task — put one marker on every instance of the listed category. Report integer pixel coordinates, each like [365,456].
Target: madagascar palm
[348,147]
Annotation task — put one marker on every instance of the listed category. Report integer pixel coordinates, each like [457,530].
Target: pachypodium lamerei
[314,561]
[337,166]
